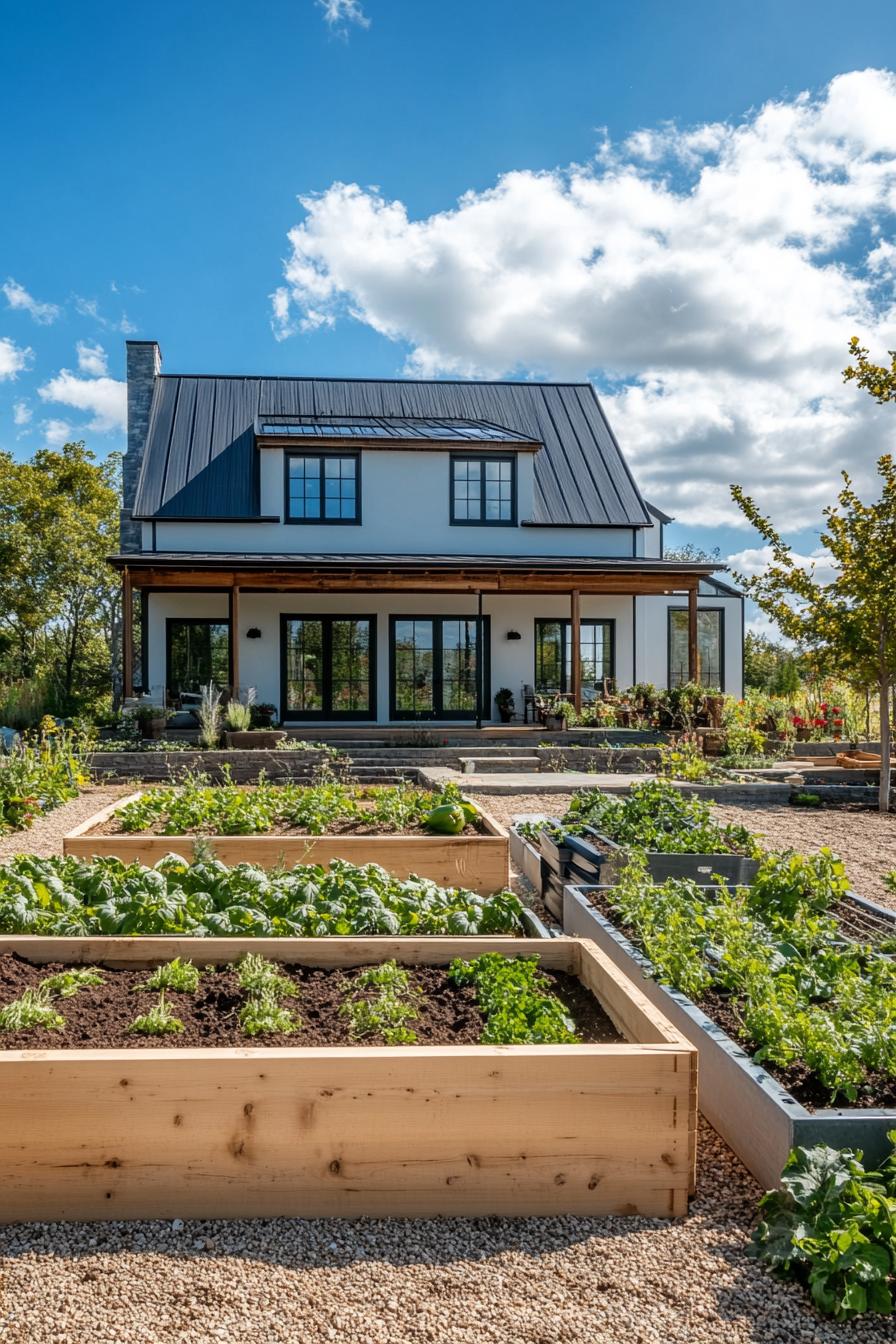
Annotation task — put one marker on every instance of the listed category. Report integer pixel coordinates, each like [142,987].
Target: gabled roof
[201,458]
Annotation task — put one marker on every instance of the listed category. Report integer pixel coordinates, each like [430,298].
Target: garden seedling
[181,976]
[259,976]
[386,1014]
[34,1008]
[159,1021]
[263,1015]
[515,996]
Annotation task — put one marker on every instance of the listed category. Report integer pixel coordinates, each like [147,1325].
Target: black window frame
[720,611]
[484,673]
[327,712]
[565,624]
[482,458]
[196,620]
[322,521]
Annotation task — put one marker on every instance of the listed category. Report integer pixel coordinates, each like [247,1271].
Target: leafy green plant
[204,898]
[386,1012]
[804,799]
[259,976]
[657,816]
[516,999]
[181,976]
[40,773]
[832,1226]
[65,984]
[159,1021]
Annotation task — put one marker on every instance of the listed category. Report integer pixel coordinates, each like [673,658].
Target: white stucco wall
[652,639]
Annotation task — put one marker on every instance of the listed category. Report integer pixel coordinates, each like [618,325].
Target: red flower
[819,723]
[836,709]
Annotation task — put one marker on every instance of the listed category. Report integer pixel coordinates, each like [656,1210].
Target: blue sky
[153,157]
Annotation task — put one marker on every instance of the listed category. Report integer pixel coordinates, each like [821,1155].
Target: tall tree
[848,624]
[58,596]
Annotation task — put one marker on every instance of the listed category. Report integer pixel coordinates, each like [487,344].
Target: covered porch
[390,639]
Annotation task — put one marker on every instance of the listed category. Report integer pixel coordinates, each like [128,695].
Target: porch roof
[490,573]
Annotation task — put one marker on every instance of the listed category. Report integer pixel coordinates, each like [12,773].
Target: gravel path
[536,1281]
[865,841]
[45,836]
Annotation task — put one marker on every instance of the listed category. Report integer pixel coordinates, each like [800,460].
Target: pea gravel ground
[486,1281]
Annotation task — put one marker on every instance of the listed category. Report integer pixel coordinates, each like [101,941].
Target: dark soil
[879,1090]
[100,1016]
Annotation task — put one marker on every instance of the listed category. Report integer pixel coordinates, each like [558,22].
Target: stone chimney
[144,364]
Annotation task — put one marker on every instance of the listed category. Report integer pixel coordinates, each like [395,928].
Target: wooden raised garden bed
[408,1130]
[754,1114]
[480,863]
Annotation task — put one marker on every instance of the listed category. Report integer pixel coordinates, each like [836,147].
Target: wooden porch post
[234,643]
[127,634]
[480,659]
[693,670]
[575,638]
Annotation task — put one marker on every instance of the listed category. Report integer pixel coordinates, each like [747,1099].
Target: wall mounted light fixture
[514,634]
[253,633]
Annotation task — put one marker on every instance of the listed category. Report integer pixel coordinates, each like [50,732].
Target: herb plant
[181,976]
[265,986]
[159,1021]
[832,1226]
[516,999]
[386,1011]
[34,1007]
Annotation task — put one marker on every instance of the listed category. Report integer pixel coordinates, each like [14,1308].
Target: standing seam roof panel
[580,475]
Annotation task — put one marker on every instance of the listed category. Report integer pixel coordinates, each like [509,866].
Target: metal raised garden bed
[752,1112]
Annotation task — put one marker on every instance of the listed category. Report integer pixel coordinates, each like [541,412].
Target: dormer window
[483,490]
[322,488]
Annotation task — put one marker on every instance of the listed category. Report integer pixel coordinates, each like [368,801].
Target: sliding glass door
[436,665]
[328,667]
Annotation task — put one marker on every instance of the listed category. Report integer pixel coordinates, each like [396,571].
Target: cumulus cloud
[92,359]
[707,278]
[13,358]
[338,14]
[756,560]
[21,413]
[105,398]
[56,433]
[17,296]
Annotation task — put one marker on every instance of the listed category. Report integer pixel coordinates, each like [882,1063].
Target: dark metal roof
[304,560]
[200,457]
[401,428]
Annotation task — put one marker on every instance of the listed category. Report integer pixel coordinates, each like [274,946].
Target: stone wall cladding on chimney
[144,363]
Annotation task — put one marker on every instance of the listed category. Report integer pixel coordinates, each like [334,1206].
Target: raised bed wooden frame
[405,1131]
[754,1114]
[480,863]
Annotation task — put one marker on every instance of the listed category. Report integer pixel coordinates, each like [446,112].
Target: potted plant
[151,720]
[505,703]
[264,715]
[239,729]
[559,714]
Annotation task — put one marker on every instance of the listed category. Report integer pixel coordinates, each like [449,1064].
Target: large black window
[436,667]
[710,646]
[323,488]
[328,667]
[196,652]
[483,490]
[553,656]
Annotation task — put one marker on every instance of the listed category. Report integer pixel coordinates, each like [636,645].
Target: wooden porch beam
[127,634]
[575,638]
[693,669]
[433,581]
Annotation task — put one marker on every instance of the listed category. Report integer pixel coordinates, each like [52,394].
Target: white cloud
[13,358]
[338,14]
[756,559]
[21,413]
[709,279]
[56,433]
[92,359]
[17,296]
[91,308]
[105,398]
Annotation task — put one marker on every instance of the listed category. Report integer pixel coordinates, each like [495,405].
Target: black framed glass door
[328,667]
[197,652]
[436,665]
